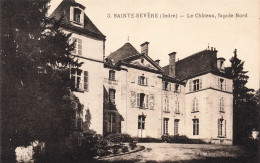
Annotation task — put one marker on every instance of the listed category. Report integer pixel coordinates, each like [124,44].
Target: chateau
[129,92]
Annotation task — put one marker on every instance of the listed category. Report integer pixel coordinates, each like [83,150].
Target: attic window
[77,13]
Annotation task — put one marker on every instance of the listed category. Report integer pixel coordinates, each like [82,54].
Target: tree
[36,100]
[244,112]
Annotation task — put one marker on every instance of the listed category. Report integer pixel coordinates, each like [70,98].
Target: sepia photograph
[130,81]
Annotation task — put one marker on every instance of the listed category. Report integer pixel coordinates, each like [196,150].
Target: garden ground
[166,152]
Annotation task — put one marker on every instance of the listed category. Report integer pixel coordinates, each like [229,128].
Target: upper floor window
[222,84]
[79,80]
[221,104]
[166,105]
[177,107]
[142,100]
[166,86]
[142,80]
[77,46]
[195,85]
[177,88]
[112,75]
[112,95]
[195,107]
[77,16]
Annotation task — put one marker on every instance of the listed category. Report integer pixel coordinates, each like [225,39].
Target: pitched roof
[195,64]
[127,50]
[64,9]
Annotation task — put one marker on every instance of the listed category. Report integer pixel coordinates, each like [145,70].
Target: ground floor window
[111,122]
[221,127]
[195,126]
[165,125]
[176,126]
[141,122]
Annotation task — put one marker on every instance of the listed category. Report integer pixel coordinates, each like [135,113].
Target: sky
[185,35]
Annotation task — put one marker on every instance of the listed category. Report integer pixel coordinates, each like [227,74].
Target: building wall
[153,116]
[208,113]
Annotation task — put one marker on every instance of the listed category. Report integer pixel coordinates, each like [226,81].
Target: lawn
[166,152]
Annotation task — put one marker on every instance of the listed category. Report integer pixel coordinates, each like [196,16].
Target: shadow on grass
[206,160]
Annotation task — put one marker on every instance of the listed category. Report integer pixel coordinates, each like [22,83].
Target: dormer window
[220,64]
[76,16]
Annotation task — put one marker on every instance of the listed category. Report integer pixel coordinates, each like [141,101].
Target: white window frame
[221,104]
[77,46]
[80,79]
[195,103]
[165,126]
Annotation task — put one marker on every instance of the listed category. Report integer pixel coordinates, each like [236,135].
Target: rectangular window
[77,46]
[112,75]
[195,105]
[112,93]
[222,84]
[76,79]
[177,107]
[166,86]
[195,126]
[77,13]
[176,126]
[165,126]
[142,80]
[142,100]
[221,105]
[196,85]
[166,105]
[221,127]
[176,88]
[141,122]
[111,122]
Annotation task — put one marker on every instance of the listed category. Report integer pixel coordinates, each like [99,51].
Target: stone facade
[129,92]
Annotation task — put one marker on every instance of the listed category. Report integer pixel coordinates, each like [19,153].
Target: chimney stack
[172,57]
[157,61]
[144,48]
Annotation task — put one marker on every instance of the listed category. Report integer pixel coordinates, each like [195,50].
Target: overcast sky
[184,35]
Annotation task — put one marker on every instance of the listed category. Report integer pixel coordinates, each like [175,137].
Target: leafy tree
[36,101]
[244,113]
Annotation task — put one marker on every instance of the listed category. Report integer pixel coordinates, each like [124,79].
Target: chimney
[144,48]
[157,61]
[172,57]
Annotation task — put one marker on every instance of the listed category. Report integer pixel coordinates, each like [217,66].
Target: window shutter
[218,83]
[75,45]
[193,104]
[219,127]
[71,13]
[82,17]
[163,83]
[86,80]
[79,41]
[146,81]
[197,104]
[139,80]
[190,86]
[167,104]
[170,85]
[147,101]
[200,83]
[176,109]
[225,127]
[225,85]
[138,100]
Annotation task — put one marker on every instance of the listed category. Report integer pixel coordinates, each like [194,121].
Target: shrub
[181,139]
[115,150]
[119,138]
[133,145]
[125,149]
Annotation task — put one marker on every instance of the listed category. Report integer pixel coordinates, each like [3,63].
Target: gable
[143,62]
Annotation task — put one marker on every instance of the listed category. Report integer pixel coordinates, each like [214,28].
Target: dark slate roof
[196,64]
[127,50]
[64,9]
